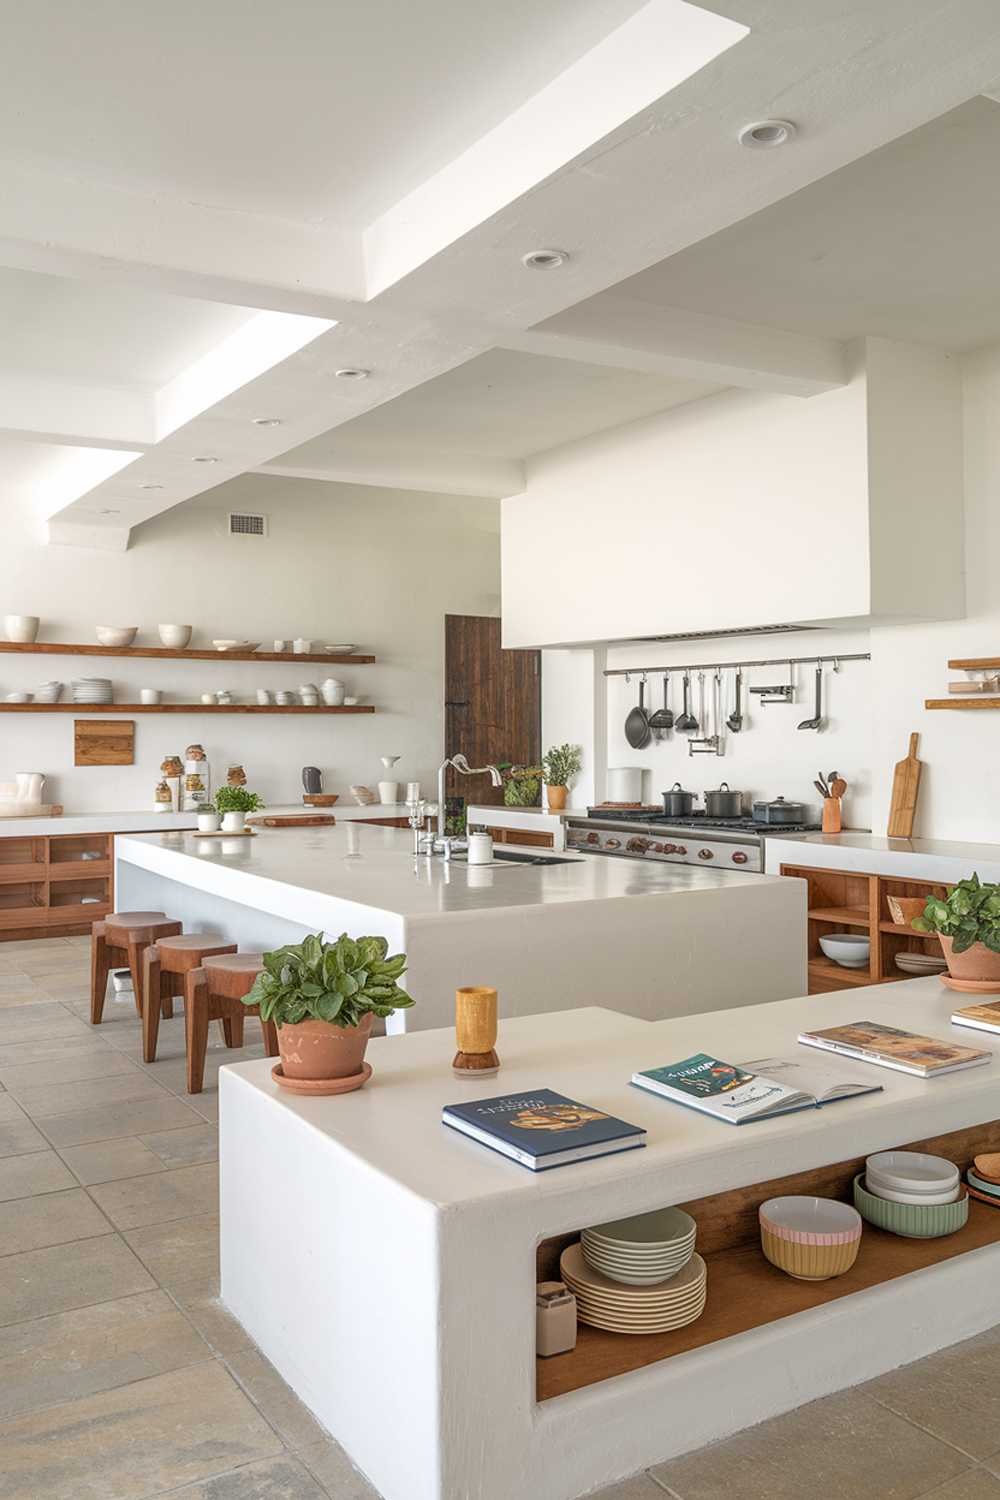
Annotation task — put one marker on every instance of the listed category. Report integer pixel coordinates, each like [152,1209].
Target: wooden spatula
[905,786]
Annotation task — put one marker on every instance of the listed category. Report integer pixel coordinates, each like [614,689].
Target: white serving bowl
[912,1171]
[848,949]
[21,628]
[174,636]
[116,635]
[890,1195]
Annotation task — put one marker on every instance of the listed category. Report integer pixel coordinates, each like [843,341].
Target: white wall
[341,563]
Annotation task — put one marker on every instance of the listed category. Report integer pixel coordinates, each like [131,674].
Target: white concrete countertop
[501,816]
[872,854]
[139,822]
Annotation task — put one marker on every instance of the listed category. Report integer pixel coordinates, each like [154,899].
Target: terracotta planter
[320,1049]
[977,962]
[557,797]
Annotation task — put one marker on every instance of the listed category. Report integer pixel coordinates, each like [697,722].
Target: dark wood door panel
[492,703]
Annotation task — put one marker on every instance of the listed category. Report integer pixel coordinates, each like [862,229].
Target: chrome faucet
[441,844]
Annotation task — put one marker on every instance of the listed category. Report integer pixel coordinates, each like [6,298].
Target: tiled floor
[122,1377]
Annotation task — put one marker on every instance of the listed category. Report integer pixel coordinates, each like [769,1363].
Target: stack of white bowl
[48,692]
[638,1275]
[912,1177]
[309,693]
[92,690]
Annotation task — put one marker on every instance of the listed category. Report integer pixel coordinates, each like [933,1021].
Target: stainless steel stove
[641,833]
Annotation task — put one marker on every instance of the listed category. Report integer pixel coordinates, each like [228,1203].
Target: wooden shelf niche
[100,709]
[54,885]
[201,653]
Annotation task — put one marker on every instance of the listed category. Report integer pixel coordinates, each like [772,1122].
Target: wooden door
[493,709]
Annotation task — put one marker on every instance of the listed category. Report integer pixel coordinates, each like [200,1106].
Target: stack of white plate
[912,1177]
[607,1304]
[48,692]
[921,963]
[641,1250]
[92,690]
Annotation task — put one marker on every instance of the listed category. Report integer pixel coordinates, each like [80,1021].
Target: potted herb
[967,921]
[322,997]
[522,785]
[234,802]
[560,763]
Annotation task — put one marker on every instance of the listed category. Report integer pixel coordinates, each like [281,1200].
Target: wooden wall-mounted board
[103,742]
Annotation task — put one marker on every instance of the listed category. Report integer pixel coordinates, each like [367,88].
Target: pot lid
[779,802]
[678,788]
[725,787]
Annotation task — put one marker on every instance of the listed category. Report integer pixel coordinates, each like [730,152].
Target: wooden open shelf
[844,916]
[825,975]
[100,709]
[744,1290]
[970,700]
[975,663]
[60,648]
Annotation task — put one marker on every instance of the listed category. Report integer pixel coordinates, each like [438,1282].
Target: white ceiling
[111,334]
[903,244]
[307,111]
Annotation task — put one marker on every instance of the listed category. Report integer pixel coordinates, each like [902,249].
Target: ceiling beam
[438,474]
[63,411]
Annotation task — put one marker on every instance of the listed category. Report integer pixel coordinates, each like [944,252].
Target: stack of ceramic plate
[92,690]
[983,1178]
[604,1303]
[921,963]
[641,1250]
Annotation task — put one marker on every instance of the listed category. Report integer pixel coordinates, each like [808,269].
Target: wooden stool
[214,992]
[164,965]
[121,939]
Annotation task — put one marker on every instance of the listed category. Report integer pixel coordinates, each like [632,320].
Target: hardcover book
[751,1091]
[891,1047]
[984,1017]
[541,1129]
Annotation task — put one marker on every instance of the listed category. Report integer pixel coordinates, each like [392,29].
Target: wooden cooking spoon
[988,1166]
[838,787]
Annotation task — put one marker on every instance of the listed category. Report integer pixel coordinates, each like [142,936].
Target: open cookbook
[755,1090]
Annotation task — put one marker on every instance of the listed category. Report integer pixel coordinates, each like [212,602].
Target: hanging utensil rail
[721,666]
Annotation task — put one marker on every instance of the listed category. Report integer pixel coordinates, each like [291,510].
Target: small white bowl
[890,1195]
[116,635]
[912,1171]
[149,695]
[811,1221]
[848,949]
[175,636]
[18,698]
[21,628]
[350,702]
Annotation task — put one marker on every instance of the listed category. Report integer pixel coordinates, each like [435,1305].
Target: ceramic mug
[301,647]
[208,697]
[149,695]
[22,628]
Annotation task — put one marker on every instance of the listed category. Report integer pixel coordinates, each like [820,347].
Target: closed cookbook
[891,1047]
[539,1128]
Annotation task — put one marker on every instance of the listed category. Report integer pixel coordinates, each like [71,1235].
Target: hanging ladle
[686,720]
[735,720]
[816,722]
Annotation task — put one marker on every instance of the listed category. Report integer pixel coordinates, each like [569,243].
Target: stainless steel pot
[779,811]
[677,803]
[723,803]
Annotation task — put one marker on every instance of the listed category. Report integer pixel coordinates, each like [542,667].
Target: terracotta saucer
[982,1197]
[987,1166]
[317,1086]
[972,986]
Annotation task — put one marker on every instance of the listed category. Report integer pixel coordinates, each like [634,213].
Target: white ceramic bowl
[912,1171]
[116,635]
[21,628]
[890,1195]
[660,1227]
[848,949]
[174,636]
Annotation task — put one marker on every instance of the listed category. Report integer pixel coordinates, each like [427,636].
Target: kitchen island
[650,940]
[943,860]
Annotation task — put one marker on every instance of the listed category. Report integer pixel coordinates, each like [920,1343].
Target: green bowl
[917,1221]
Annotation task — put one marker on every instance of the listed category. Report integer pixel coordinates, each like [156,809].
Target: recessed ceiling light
[544,260]
[205,459]
[151,486]
[267,421]
[764,135]
[352,372]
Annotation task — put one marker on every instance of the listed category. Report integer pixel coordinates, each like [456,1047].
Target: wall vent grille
[717,635]
[243,524]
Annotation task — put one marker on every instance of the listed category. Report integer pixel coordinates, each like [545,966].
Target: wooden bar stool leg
[196,1027]
[270,1038]
[152,975]
[100,969]
[167,983]
[236,1023]
[135,957]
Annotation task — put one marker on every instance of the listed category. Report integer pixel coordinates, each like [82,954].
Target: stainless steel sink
[509,857]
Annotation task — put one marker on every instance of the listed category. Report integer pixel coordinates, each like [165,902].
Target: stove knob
[613,844]
[679,849]
[659,848]
[739,858]
[669,848]
[705,854]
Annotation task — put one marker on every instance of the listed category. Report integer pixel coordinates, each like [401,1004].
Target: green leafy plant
[237,799]
[561,763]
[340,982]
[522,785]
[970,913]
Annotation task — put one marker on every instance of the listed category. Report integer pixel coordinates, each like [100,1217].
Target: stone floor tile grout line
[979,1462]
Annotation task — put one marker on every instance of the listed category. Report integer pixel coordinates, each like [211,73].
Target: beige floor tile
[93,1349]
[180,1194]
[17,1134]
[843,1447]
[213,1321]
[281,1478]
[342,1481]
[976,1484]
[47,1099]
[184,1148]
[139,1441]
[268,1391]
[953,1394]
[108,1161]
[638,1487]
[52,1219]
[72,1067]
[161,1111]
[27,1176]
[61,1277]
[206,1105]
[26,1023]
[10,981]
[172,1072]
[24,995]
[182,1253]
[44,1049]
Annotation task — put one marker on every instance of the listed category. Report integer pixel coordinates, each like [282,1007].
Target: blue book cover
[541,1128]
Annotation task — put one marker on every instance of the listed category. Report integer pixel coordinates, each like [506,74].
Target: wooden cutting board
[293,820]
[103,742]
[905,788]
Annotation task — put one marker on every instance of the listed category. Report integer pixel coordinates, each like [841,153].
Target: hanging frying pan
[637,730]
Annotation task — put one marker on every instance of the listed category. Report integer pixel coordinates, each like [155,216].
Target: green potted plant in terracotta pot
[234,802]
[967,921]
[561,764]
[323,998]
